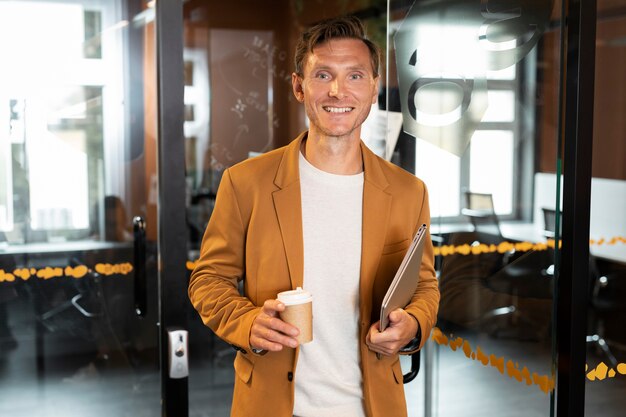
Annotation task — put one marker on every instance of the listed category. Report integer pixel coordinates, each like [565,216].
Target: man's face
[338,87]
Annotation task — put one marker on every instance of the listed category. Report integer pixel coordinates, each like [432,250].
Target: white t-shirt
[328,379]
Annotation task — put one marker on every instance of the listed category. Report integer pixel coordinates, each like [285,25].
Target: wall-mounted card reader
[178,355]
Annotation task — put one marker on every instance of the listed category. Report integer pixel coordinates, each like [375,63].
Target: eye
[356,76]
[322,76]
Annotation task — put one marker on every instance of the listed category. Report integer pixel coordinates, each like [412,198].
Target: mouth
[330,109]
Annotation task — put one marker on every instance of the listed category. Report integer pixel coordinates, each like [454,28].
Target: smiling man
[326,214]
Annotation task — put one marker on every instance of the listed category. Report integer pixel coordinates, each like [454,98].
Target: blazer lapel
[376,211]
[288,206]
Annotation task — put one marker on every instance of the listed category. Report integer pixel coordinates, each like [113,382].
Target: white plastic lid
[297,296]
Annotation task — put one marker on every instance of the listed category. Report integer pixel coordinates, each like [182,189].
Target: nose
[336,89]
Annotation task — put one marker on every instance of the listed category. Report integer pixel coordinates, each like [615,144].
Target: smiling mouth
[338,109]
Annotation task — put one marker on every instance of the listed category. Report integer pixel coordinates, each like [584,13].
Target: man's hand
[401,330]
[269,332]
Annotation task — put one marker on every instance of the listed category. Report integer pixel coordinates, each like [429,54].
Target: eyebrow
[351,68]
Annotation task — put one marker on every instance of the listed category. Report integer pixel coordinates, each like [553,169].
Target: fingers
[401,330]
[372,340]
[272,308]
[269,332]
[384,343]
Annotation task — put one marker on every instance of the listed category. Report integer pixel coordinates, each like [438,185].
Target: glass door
[79,309]
[606,338]
[238,61]
[478,88]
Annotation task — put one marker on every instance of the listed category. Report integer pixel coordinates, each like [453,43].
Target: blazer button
[290,376]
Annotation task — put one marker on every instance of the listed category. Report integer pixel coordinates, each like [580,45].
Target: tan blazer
[255,235]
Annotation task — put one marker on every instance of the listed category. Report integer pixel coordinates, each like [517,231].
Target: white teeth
[338,109]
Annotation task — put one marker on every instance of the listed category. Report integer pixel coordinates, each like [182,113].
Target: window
[463,114]
[6,180]
[58,82]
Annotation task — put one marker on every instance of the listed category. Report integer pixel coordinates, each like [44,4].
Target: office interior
[471,100]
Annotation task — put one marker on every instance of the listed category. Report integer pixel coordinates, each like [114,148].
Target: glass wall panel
[606,335]
[477,85]
[77,164]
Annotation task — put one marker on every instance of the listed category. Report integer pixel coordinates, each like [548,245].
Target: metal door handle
[140,284]
[415,368]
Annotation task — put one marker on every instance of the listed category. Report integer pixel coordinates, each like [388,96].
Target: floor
[75,381]
[465,387]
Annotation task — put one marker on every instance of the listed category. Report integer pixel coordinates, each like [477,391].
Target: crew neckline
[311,171]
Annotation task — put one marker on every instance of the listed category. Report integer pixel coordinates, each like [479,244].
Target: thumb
[272,307]
[395,316]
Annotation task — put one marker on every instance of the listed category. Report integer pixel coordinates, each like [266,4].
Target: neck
[341,156]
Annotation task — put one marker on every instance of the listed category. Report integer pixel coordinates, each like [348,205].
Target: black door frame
[575,140]
[173,300]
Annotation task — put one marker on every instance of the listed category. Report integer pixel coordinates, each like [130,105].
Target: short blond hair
[346,27]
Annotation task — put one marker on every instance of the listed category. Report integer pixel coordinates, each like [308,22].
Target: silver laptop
[404,283]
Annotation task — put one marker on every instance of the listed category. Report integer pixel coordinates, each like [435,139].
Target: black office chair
[480,210]
[488,293]
[606,292]
[69,305]
[549,222]
[607,309]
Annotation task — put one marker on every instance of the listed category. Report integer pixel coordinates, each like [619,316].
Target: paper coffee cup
[298,312]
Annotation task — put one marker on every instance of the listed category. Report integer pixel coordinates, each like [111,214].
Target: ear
[296,84]
[375,87]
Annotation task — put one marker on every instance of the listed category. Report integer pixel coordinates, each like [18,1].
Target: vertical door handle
[140,284]
[415,368]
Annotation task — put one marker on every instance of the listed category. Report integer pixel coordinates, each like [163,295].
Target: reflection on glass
[57,131]
[197,96]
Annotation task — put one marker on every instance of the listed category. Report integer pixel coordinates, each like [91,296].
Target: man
[326,214]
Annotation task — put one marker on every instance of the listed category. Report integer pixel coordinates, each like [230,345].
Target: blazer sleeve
[213,286]
[425,302]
